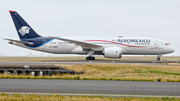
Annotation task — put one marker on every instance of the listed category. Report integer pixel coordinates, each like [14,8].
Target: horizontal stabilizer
[19,41]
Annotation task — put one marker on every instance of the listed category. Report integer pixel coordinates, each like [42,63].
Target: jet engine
[112,52]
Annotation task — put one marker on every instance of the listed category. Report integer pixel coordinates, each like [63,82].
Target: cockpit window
[167,43]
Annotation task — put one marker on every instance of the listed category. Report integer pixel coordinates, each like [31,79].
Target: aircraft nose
[172,49]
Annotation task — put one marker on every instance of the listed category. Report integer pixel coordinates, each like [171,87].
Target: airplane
[110,47]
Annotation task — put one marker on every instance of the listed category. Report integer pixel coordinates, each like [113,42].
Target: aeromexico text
[133,40]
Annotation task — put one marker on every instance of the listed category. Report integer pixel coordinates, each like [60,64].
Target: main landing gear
[90,55]
[90,58]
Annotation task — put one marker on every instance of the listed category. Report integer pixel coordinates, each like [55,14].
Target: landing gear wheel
[87,58]
[90,58]
[158,59]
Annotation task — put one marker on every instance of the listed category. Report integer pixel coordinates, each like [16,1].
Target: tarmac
[83,62]
[90,88]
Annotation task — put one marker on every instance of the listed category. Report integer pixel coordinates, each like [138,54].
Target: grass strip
[18,97]
[79,78]
[163,72]
[158,73]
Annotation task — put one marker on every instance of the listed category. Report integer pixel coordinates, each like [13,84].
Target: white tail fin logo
[23,30]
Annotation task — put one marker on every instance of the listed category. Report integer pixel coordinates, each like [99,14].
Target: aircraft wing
[19,41]
[84,45]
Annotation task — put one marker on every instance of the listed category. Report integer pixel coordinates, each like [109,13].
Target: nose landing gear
[158,58]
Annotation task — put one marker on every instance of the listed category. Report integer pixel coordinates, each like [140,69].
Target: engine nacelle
[112,52]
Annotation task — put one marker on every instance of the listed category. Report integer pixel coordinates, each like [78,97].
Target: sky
[108,18]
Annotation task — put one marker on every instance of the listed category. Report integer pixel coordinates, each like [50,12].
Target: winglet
[11,11]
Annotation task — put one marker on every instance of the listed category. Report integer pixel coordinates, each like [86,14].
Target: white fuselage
[129,45]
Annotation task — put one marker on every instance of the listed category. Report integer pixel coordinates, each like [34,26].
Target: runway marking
[79,94]
[92,85]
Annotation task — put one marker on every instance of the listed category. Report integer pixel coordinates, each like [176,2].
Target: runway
[64,63]
[90,88]
[84,62]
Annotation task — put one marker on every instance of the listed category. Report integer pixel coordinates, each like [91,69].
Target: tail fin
[23,29]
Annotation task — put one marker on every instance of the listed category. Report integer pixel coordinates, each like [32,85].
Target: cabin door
[156,44]
[44,44]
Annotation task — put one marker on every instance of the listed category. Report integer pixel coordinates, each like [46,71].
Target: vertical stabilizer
[23,29]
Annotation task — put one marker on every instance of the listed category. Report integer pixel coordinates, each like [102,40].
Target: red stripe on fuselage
[117,43]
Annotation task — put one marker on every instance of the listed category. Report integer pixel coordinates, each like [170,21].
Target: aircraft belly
[79,50]
[58,49]
[64,49]
[154,51]
[42,49]
[133,50]
[71,49]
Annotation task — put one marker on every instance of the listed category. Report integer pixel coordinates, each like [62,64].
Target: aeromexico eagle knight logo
[24,30]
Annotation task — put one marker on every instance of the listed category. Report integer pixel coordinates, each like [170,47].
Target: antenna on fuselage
[120,36]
